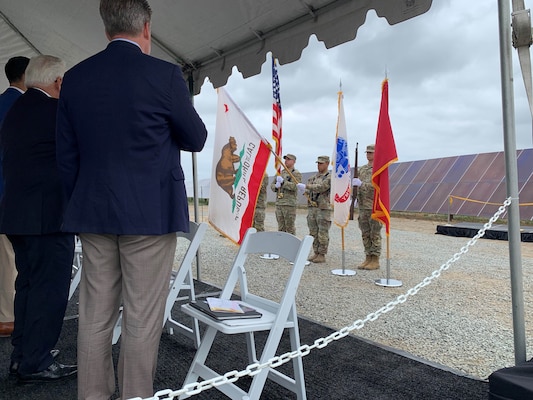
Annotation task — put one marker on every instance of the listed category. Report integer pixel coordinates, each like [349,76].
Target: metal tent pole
[509,134]
[195,184]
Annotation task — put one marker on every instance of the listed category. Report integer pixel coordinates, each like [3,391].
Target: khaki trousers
[8,274]
[133,271]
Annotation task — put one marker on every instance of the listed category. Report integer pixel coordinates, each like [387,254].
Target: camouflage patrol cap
[289,156]
[323,159]
[370,148]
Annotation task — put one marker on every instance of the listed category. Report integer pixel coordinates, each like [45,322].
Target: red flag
[276,115]
[384,155]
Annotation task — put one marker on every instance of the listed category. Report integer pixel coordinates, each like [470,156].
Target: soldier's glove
[356,182]
[277,185]
[301,187]
[279,180]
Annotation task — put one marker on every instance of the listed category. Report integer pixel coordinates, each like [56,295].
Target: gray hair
[125,16]
[44,70]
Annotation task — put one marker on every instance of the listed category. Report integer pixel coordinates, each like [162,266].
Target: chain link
[255,368]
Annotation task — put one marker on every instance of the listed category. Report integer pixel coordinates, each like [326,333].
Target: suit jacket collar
[123,44]
[12,92]
[37,93]
[15,89]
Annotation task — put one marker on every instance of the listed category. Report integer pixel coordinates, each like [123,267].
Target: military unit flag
[341,185]
[384,155]
[276,116]
[240,158]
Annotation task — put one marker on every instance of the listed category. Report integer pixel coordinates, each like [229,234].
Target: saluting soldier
[285,187]
[318,190]
[370,228]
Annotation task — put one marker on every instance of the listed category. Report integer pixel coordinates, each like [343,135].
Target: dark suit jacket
[34,199]
[123,118]
[6,101]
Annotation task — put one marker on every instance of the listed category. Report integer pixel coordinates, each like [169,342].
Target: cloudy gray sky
[444,89]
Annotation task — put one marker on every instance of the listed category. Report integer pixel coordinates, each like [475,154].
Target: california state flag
[341,185]
[240,158]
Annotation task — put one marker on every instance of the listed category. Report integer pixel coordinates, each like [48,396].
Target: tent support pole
[511,173]
[195,183]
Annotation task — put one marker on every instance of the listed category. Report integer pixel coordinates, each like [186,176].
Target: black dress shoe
[54,372]
[14,366]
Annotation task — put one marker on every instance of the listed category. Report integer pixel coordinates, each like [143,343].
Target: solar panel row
[426,186]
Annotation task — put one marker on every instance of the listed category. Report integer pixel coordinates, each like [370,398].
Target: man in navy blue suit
[123,119]
[14,69]
[31,216]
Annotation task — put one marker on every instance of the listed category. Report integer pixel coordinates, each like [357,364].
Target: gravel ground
[462,320]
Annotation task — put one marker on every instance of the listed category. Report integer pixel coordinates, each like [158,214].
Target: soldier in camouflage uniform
[285,187]
[259,215]
[318,189]
[370,228]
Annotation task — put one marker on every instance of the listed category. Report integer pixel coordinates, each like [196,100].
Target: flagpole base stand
[306,263]
[388,282]
[269,256]
[343,272]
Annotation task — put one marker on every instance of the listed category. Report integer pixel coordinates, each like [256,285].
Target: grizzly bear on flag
[225,169]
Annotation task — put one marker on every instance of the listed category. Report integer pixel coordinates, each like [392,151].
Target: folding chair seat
[182,279]
[277,316]
[76,267]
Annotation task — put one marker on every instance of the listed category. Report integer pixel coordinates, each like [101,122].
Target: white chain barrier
[255,368]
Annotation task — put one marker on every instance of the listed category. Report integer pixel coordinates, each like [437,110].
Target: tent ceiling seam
[18,32]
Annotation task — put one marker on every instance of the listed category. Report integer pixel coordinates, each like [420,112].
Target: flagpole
[387,281]
[343,271]
[384,155]
[341,158]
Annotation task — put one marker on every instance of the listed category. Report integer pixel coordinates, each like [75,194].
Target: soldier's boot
[311,258]
[373,264]
[365,263]
[319,259]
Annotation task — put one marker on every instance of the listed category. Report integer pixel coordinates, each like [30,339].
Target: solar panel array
[476,184]
[426,185]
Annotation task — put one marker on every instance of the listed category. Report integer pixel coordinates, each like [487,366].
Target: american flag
[276,115]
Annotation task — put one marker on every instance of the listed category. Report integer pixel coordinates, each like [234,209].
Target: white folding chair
[182,279]
[276,317]
[76,267]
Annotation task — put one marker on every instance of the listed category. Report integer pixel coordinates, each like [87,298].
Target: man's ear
[147,34]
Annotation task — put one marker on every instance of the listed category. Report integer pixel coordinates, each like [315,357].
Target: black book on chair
[248,312]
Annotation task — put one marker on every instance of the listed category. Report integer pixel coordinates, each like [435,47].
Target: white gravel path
[463,320]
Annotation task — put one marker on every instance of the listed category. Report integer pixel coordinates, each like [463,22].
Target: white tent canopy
[207,38]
